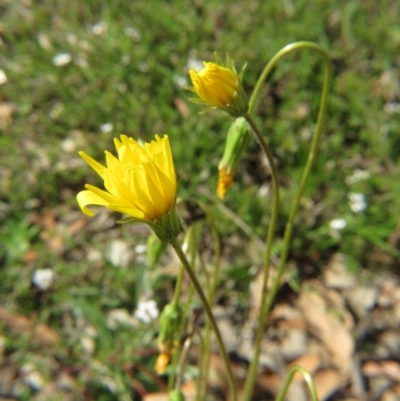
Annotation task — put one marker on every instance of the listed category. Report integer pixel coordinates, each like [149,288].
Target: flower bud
[237,140]
[171,320]
[220,87]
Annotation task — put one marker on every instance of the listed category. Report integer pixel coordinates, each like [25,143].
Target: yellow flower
[140,183]
[215,85]
[220,87]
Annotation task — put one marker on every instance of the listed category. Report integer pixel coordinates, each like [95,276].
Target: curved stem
[310,161]
[174,243]
[288,380]
[268,300]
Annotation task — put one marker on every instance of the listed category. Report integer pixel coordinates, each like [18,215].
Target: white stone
[357,202]
[62,59]
[99,28]
[43,278]
[3,77]
[32,376]
[337,224]
[106,128]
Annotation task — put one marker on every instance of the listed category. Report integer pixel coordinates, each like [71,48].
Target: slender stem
[211,295]
[267,301]
[182,361]
[310,161]
[175,356]
[174,369]
[288,380]
[252,372]
[178,286]
[207,308]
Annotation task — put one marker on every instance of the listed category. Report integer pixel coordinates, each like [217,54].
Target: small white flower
[357,202]
[62,59]
[358,175]
[147,311]
[141,248]
[43,278]
[106,128]
[99,28]
[337,224]
[3,77]
[180,81]
[119,253]
[194,63]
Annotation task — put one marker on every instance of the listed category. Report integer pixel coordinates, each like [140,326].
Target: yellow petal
[225,181]
[102,194]
[86,198]
[96,166]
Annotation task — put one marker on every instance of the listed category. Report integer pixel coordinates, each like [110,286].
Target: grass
[130,71]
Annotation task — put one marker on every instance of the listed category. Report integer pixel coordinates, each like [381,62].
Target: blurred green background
[76,74]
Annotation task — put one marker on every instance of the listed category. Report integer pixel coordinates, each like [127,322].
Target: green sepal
[237,140]
[176,395]
[171,319]
[155,248]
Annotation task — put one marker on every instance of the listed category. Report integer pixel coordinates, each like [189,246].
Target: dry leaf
[391,369]
[22,324]
[309,362]
[6,110]
[326,325]
[327,382]
[371,369]
[161,396]
[182,107]
[77,226]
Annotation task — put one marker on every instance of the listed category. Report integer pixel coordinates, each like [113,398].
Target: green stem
[267,301]
[207,335]
[175,356]
[288,380]
[182,361]
[178,287]
[173,370]
[207,308]
[310,161]
[176,300]
[253,368]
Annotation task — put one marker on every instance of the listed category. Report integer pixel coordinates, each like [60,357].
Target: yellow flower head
[140,183]
[220,87]
[215,85]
